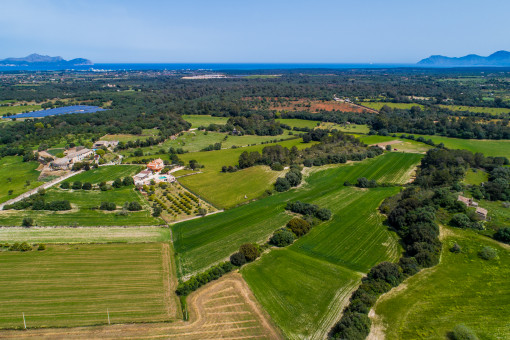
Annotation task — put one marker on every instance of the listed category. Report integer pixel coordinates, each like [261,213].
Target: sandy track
[241,318]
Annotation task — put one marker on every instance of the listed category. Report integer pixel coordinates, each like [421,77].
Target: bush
[77,185]
[86,186]
[195,282]
[488,253]
[282,184]
[455,248]
[237,259]
[117,183]
[58,205]
[27,222]
[282,238]
[276,166]
[460,221]
[110,206]
[20,247]
[461,332]
[65,185]
[128,181]
[250,251]
[352,326]
[385,271]
[323,214]
[134,206]
[41,247]
[299,226]
[503,235]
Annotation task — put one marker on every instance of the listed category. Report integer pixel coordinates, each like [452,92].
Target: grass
[352,128]
[106,173]
[18,109]
[14,174]
[462,289]
[405,145]
[83,212]
[379,105]
[300,293]
[75,285]
[204,120]
[477,109]
[202,242]
[498,214]
[55,152]
[85,234]
[299,123]
[475,177]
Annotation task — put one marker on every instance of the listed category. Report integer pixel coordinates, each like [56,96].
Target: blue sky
[342,31]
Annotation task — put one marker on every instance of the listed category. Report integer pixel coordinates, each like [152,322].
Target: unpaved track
[224,309]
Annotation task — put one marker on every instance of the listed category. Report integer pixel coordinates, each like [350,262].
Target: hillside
[500,58]
[43,60]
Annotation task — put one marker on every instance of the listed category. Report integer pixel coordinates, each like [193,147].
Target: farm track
[225,309]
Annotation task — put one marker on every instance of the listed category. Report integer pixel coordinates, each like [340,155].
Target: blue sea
[204,66]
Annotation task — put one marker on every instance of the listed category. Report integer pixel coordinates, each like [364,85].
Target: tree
[282,184]
[110,206]
[27,222]
[77,185]
[460,221]
[117,183]
[461,332]
[65,185]
[238,259]
[388,147]
[87,186]
[250,251]
[134,206]
[503,235]
[299,226]
[282,238]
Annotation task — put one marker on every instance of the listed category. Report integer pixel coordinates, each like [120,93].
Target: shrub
[41,247]
[117,183]
[27,222]
[461,332]
[323,214]
[86,186]
[58,205]
[503,235]
[20,247]
[237,259]
[385,271]
[455,248]
[282,184]
[128,181]
[299,226]
[250,251]
[134,206]
[77,185]
[488,253]
[195,282]
[110,206]
[276,166]
[352,326]
[282,238]
[460,221]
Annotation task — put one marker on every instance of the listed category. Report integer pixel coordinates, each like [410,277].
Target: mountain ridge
[499,58]
[39,59]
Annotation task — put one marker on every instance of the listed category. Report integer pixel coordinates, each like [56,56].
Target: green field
[379,105]
[299,123]
[405,145]
[14,174]
[84,234]
[477,109]
[18,109]
[462,289]
[485,146]
[83,213]
[194,141]
[351,128]
[304,296]
[202,242]
[477,177]
[106,173]
[204,120]
[75,285]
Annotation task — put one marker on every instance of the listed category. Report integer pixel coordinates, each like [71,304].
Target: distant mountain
[500,58]
[44,60]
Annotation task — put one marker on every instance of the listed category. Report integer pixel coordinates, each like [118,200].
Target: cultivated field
[84,210]
[73,285]
[487,147]
[224,309]
[300,123]
[477,109]
[106,173]
[18,109]
[462,289]
[402,145]
[14,174]
[200,243]
[379,105]
[85,234]
[204,120]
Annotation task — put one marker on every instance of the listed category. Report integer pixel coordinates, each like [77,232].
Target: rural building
[107,144]
[66,162]
[467,201]
[156,165]
[60,163]
[482,213]
[80,155]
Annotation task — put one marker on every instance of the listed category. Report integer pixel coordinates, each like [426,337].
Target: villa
[153,174]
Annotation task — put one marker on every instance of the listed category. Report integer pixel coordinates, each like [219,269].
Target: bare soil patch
[225,308]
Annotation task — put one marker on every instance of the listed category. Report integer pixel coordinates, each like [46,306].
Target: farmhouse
[106,144]
[71,158]
[467,201]
[156,165]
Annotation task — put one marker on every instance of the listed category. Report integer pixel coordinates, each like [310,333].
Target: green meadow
[14,174]
[475,177]
[477,109]
[300,123]
[75,285]
[461,289]
[84,210]
[18,109]
[202,242]
[106,173]
[379,105]
[204,120]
